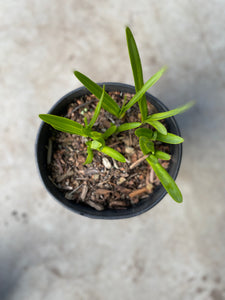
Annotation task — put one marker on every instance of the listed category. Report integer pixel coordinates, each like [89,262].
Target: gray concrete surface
[173,251]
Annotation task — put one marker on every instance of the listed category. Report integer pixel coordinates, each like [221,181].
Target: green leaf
[137,71]
[169,138]
[85,122]
[144,89]
[162,155]
[97,109]
[124,103]
[166,180]
[170,113]
[63,124]
[158,126]
[102,141]
[96,145]
[90,156]
[146,145]
[144,132]
[94,134]
[128,126]
[154,136]
[113,153]
[108,103]
[109,132]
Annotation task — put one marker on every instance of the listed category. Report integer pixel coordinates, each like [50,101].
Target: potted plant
[115,150]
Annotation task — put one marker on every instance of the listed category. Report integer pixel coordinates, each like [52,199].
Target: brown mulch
[105,183]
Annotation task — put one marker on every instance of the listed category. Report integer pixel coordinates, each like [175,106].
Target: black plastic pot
[82,209]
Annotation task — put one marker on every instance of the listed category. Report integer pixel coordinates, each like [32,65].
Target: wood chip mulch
[105,183]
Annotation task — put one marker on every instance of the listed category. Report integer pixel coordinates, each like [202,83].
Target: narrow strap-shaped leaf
[146,145]
[166,180]
[170,113]
[108,104]
[85,122]
[128,126]
[109,132]
[144,132]
[158,126]
[144,89]
[90,156]
[113,153]
[162,155]
[97,109]
[169,138]
[63,124]
[137,71]
[122,107]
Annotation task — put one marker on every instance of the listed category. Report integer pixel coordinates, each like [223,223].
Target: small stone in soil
[106,163]
[95,177]
[121,180]
[129,150]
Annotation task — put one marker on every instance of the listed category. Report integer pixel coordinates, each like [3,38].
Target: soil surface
[105,183]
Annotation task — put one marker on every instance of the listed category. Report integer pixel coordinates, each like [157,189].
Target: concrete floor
[172,252]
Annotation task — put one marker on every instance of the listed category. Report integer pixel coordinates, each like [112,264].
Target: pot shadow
[8,275]
[203,122]
[202,128]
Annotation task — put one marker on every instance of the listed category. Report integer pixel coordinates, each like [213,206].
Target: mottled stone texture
[172,252]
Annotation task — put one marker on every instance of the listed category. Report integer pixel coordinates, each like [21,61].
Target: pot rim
[108,213]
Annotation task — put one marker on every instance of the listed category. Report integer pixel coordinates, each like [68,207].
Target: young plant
[98,139]
[137,71]
[147,136]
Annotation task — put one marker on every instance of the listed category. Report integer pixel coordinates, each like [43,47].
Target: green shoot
[146,145]
[164,177]
[124,103]
[128,126]
[169,138]
[113,153]
[96,145]
[137,71]
[85,122]
[94,134]
[97,109]
[90,154]
[109,132]
[63,124]
[166,180]
[162,155]
[108,104]
[144,132]
[143,90]
[170,113]
[157,125]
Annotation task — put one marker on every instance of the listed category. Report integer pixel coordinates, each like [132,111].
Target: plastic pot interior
[83,209]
